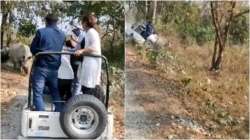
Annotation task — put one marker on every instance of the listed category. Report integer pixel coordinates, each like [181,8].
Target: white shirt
[65,70]
[90,71]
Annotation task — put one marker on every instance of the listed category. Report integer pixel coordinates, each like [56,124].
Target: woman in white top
[90,71]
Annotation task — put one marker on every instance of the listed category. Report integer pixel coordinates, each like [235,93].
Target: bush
[186,19]
[239,33]
[26,28]
[203,34]
[114,51]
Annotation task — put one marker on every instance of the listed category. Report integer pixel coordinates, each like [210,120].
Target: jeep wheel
[84,116]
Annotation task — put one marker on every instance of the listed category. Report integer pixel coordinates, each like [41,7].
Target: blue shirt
[49,39]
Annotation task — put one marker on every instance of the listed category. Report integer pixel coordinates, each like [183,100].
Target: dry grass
[117,102]
[217,100]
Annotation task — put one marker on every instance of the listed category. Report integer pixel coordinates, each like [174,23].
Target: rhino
[19,55]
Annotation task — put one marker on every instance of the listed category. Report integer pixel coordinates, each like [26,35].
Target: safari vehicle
[136,33]
[84,116]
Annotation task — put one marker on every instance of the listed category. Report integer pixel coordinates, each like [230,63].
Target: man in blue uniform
[46,67]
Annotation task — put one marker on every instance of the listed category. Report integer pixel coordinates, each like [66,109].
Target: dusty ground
[14,96]
[182,99]
[117,102]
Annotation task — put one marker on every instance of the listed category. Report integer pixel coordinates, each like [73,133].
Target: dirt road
[153,109]
[13,97]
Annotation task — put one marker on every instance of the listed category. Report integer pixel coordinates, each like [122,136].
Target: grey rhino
[20,56]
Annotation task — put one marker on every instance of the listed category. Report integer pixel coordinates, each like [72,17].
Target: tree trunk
[149,13]
[217,64]
[3,26]
[154,12]
[9,33]
[214,53]
[4,21]
[146,9]
[221,34]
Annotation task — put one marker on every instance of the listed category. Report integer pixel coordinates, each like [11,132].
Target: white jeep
[84,116]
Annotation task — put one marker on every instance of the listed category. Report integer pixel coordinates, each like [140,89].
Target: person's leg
[76,87]
[61,88]
[68,93]
[97,92]
[46,89]
[53,87]
[86,90]
[38,83]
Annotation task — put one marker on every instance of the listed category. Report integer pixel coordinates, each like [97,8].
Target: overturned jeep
[84,116]
[140,35]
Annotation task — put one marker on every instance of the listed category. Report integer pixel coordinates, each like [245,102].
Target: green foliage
[152,56]
[203,34]
[26,28]
[114,10]
[193,24]
[239,33]
[186,19]
[114,51]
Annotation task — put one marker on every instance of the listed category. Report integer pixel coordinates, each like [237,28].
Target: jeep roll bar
[68,53]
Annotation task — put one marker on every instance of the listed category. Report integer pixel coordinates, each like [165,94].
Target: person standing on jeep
[90,72]
[46,67]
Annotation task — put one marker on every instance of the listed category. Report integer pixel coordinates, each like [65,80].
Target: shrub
[26,28]
[239,32]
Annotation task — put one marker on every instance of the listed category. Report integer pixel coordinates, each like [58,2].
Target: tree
[14,12]
[7,19]
[26,28]
[154,12]
[223,13]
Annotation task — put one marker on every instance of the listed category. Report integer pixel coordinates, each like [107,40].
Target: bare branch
[241,13]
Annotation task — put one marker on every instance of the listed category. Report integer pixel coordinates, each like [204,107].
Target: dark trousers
[76,85]
[97,92]
[40,76]
[86,90]
[65,88]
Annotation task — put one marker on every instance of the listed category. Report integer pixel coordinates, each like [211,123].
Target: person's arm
[84,51]
[90,49]
[35,43]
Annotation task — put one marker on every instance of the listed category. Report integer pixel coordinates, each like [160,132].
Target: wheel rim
[148,44]
[84,120]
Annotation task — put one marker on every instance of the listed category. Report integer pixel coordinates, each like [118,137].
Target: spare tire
[84,116]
